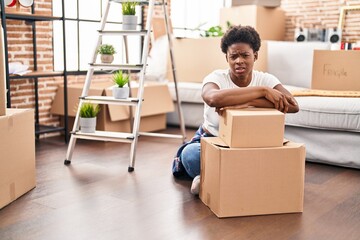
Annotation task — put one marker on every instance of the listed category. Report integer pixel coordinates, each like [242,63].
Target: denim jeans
[190,158]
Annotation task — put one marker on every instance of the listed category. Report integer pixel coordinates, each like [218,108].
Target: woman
[239,86]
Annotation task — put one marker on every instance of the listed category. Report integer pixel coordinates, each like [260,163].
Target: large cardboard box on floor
[157,102]
[2,76]
[17,148]
[252,127]
[268,22]
[336,70]
[251,181]
[195,58]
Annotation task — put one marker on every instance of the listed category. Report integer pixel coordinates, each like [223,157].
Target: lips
[240,69]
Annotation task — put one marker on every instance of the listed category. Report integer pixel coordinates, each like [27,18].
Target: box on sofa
[336,70]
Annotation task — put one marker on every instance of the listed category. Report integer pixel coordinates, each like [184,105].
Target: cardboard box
[194,58]
[269,22]
[2,76]
[252,127]
[157,102]
[251,181]
[17,147]
[265,3]
[336,70]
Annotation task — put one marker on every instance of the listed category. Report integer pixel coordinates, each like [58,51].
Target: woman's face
[241,58]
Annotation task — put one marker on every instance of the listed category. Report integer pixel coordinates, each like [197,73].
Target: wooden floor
[96,198]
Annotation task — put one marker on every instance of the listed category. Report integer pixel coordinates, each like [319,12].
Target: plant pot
[129,22]
[88,125]
[107,58]
[121,93]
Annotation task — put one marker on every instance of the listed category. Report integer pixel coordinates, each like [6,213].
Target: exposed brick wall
[306,13]
[321,14]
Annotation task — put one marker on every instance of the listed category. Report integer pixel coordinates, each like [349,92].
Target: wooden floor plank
[96,198]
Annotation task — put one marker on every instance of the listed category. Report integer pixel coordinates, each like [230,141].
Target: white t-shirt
[222,79]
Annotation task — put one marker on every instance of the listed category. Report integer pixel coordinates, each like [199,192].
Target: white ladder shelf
[132,137]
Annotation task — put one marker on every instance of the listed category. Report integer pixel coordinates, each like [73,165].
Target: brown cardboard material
[252,127]
[2,76]
[252,181]
[261,64]
[17,168]
[336,70]
[196,58]
[157,101]
[269,22]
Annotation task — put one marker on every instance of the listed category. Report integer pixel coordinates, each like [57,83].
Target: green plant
[128,8]
[215,31]
[89,110]
[106,49]
[120,79]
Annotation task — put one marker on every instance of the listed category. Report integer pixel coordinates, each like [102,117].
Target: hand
[220,110]
[280,100]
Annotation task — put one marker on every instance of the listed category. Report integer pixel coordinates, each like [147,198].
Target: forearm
[264,103]
[235,96]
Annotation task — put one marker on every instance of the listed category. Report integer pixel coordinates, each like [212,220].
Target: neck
[241,81]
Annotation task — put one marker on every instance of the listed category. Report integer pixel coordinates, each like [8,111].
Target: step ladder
[132,137]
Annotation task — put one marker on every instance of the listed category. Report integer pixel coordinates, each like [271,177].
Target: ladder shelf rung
[111,100]
[141,2]
[164,135]
[105,136]
[124,32]
[100,66]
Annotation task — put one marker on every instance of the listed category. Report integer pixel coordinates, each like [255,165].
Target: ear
[255,56]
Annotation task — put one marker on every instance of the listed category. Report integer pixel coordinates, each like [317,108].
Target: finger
[286,105]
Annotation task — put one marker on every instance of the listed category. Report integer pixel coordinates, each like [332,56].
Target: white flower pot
[121,93]
[107,58]
[88,125]
[129,22]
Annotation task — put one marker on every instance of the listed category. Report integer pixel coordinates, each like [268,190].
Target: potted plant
[120,91]
[129,18]
[107,52]
[88,113]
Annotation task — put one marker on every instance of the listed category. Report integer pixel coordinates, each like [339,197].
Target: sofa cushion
[333,113]
[189,92]
[291,62]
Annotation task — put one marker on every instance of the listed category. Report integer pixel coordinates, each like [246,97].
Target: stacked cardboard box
[157,102]
[249,169]
[17,168]
[269,22]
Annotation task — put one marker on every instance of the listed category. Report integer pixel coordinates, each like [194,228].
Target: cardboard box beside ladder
[157,102]
[2,76]
[17,168]
[251,181]
[252,127]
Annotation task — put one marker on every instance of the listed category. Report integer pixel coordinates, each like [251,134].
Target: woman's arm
[278,97]
[215,97]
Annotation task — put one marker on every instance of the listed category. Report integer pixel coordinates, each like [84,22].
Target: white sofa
[329,126]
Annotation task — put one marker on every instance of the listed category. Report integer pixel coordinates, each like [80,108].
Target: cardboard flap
[74,92]
[216,141]
[157,100]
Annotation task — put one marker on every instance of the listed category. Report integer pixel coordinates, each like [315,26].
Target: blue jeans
[190,158]
[187,158]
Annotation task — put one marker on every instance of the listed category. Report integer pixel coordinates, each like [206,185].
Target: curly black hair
[241,34]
